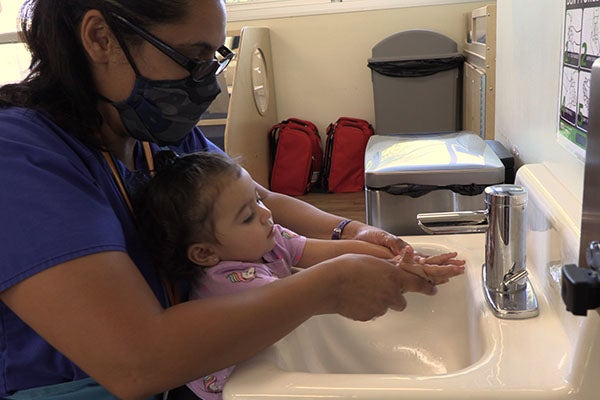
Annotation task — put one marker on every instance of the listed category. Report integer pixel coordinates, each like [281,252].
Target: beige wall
[530,35]
[320,62]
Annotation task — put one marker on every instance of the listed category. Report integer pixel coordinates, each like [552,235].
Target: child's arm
[435,269]
[317,250]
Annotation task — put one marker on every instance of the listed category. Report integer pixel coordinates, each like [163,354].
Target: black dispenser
[580,287]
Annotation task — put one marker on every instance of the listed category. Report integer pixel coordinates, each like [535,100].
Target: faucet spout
[453,222]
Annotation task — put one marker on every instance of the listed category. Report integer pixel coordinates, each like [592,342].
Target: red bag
[344,169]
[297,156]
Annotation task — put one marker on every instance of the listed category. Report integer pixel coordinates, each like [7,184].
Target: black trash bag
[414,190]
[416,68]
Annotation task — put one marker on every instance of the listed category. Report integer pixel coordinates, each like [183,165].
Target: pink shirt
[234,276]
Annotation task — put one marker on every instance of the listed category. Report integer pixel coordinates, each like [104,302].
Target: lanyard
[171,288]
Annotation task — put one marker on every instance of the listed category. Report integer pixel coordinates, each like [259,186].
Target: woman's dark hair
[175,208]
[59,82]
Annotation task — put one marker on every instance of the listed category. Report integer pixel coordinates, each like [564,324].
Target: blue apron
[86,389]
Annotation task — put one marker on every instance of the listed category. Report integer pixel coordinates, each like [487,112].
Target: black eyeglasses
[197,69]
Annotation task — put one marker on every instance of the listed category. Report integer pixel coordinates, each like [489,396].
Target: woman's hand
[368,286]
[359,231]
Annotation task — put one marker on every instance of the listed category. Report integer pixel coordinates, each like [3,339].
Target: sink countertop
[535,366]
[555,355]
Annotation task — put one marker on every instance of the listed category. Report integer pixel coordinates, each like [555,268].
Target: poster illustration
[581,48]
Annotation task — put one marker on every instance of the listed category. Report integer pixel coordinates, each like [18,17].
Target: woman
[84,313]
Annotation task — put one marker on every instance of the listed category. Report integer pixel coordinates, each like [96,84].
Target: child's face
[243,224]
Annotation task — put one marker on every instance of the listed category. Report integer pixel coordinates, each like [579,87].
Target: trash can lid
[414,44]
[454,158]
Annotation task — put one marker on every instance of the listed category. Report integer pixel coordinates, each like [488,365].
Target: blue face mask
[165,111]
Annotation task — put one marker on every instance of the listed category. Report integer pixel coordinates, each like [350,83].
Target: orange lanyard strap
[170,288]
[118,179]
[149,157]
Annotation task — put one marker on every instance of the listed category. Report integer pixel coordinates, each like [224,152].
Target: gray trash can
[410,174]
[416,83]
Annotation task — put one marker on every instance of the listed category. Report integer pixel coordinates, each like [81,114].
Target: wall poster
[581,48]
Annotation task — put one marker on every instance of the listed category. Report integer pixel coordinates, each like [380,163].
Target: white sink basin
[406,342]
[447,346]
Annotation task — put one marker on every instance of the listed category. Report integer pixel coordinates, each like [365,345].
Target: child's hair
[175,209]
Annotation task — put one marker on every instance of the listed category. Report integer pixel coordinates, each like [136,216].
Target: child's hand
[435,269]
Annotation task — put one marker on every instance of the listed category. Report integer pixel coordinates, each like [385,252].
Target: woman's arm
[312,222]
[298,215]
[99,312]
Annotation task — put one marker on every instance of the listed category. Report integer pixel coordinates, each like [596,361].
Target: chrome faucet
[506,285]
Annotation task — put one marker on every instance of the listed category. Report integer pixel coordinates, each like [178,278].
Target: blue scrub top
[58,202]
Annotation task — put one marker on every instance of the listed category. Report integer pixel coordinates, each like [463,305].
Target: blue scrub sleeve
[52,209]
